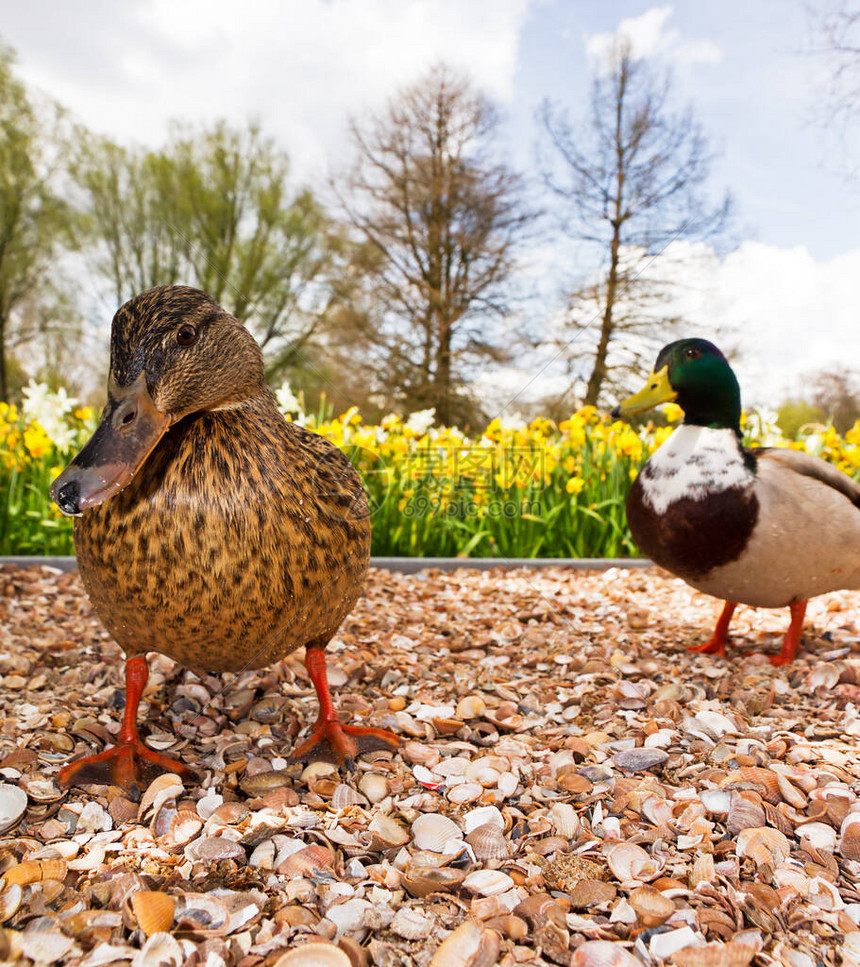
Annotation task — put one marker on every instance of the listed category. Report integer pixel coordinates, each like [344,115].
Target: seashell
[657,810]
[488,842]
[94,819]
[160,950]
[432,831]
[790,793]
[652,908]
[212,849]
[564,819]
[41,790]
[345,796]
[421,881]
[263,856]
[269,709]
[483,773]
[574,783]
[763,845]
[510,926]
[68,849]
[33,871]
[10,900]
[470,707]
[717,802]
[208,804]
[464,792]
[201,913]
[324,788]
[630,862]
[710,724]
[703,870]
[663,945]
[184,826]
[470,945]
[603,953]
[13,804]
[481,816]
[849,845]
[313,862]
[122,810]
[591,893]
[732,954]
[661,739]
[507,784]
[743,814]
[446,726]
[229,813]
[387,833]
[411,924]
[766,782]
[153,910]
[260,783]
[166,786]
[539,909]
[374,786]
[819,835]
[46,946]
[640,760]
[824,676]
[488,882]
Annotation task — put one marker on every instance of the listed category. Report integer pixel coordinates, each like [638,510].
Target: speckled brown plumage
[242,538]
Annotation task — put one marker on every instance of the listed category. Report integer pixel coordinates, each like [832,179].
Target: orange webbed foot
[332,741]
[126,764]
[129,762]
[710,647]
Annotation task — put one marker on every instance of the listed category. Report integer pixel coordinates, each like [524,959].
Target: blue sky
[755,101]
[304,66]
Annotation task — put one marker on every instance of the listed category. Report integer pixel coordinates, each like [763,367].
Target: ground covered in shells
[573,788]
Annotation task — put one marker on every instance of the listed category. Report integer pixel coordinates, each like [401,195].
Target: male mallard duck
[765,527]
[208,527]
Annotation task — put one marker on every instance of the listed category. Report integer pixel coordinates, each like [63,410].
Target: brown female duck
[208,527]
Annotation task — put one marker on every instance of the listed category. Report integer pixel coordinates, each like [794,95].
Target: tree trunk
[4,379]
[607,324]
[443,374]
[599,369]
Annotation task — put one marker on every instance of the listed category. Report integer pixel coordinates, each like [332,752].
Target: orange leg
[717,643]
[791,641]
[129,761]
[330,738]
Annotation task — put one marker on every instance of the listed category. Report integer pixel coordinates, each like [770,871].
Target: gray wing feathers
[809,466]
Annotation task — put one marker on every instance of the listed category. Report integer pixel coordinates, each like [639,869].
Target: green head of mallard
[694,374]
[174,352]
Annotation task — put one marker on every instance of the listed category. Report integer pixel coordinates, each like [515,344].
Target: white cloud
[787,313]
[649,37]
[301,65]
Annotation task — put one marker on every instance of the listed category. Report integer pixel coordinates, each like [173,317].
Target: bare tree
[631,180]
[442,218]
[836,392]
[35,223]
[836,38]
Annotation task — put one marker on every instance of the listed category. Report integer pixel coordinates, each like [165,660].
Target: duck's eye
[693,353]
[186,335]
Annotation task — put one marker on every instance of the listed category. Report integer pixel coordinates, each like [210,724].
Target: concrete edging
[412,565]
